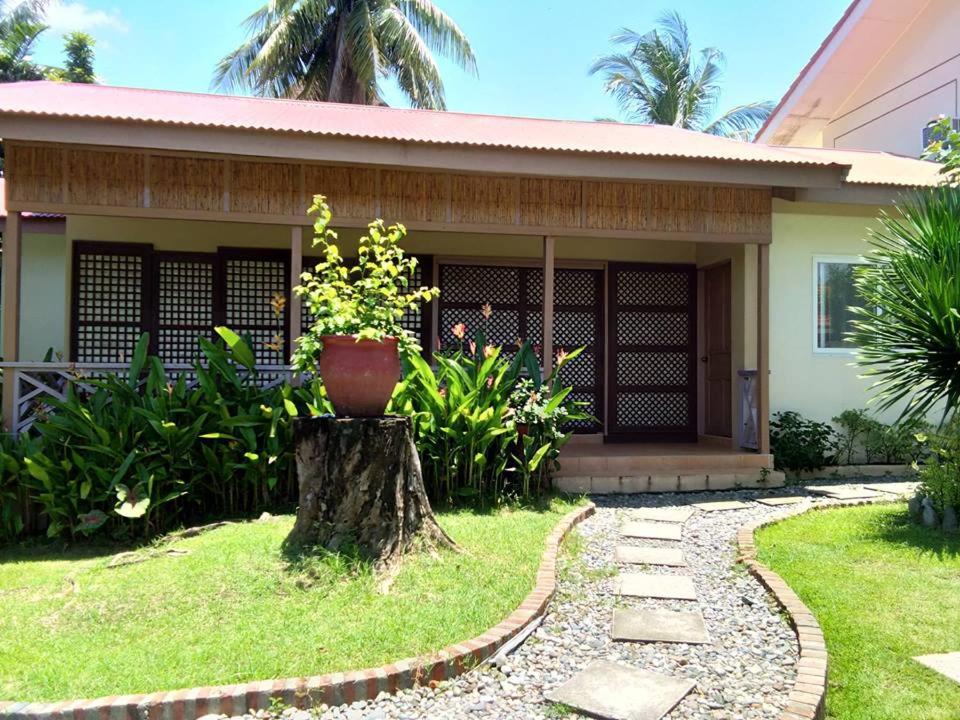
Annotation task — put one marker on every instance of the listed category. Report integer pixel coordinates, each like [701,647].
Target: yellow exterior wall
[43,295]
[815,384]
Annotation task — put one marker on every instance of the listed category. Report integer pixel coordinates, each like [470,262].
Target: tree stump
[361,487]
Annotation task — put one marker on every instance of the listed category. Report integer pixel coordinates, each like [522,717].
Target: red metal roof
[101,102]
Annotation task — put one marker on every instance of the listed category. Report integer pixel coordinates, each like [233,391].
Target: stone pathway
[726,655]
[947,664]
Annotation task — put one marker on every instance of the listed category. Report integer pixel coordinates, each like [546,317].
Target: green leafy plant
[367,299]
[897,443]
[944,147]
[940,473]
[800,444]
[853,428]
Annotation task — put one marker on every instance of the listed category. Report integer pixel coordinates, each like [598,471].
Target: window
[834,295]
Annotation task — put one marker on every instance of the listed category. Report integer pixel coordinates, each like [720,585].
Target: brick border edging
[331,689]
[807,699]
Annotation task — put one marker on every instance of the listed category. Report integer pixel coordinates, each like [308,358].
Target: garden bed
[884,591]
[227,607]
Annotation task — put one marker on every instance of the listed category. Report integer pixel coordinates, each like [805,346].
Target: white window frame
[815,278]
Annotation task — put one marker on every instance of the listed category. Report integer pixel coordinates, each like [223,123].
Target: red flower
[473,347]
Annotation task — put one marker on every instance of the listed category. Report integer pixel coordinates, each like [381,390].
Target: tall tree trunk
[361,486]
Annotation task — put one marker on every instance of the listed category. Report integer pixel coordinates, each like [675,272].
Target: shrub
[895,444]
[141,454]
[465,415]
[854,426]
[940,474]
[800,444]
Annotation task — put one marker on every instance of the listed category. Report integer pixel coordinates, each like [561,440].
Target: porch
[664,284]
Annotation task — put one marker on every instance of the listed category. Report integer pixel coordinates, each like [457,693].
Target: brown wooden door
[717,383]
[652,374]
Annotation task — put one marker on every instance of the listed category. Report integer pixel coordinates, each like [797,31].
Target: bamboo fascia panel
[161,184]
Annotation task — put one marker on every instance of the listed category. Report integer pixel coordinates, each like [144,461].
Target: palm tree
[20,26]
[659,80]
[342,50]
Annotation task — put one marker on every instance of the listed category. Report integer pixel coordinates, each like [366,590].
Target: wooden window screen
[187,293]
[653,389]
[111,300]
[251,279]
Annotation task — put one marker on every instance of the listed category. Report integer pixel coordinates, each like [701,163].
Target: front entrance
[652,339]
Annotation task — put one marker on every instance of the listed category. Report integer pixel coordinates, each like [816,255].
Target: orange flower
[442,392]
[486,311]
[561,356]
[278,302]
[459,331]
[473,347]
[488,350]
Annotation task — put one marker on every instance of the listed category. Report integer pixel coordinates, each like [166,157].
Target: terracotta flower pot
[359,375]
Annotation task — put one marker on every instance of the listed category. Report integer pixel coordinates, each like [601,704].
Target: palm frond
[741,121]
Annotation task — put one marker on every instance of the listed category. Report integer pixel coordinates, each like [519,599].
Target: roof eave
[389,153]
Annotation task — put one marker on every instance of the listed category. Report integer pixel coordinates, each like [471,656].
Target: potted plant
[355,335]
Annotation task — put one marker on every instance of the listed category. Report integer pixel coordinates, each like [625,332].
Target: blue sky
[533,55]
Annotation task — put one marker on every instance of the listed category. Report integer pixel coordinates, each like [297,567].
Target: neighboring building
[682,261]
[887,68]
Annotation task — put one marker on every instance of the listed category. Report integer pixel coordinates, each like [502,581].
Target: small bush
[895,444]
[853,428]
[800,444]
[940,473]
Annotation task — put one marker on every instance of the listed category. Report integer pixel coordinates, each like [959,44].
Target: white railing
[34,384]
[747,434]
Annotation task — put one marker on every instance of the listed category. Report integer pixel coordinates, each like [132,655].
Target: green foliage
[342,50]
[78,47]
[944,148]
[853,427]
[658,79]
[21,24]
[366,300]
[908,329]
[860,436]
[940,473]
[800,444]
[140,454]
[466,428]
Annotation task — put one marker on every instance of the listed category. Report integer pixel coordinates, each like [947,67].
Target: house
[706,277]
[886,69]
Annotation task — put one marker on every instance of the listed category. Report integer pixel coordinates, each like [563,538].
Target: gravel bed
[745,673]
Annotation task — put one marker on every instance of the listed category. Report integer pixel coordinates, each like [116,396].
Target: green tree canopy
[342,50]
[20,26]
[78,48]
[657,78]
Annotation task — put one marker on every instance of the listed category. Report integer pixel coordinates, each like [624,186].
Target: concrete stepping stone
[651,585]
[651,530]
[721,505]
[774,501]
[947,664]
[894,488]
[647,625]
[649,556]
[844,492]
[679,514]
[619,692]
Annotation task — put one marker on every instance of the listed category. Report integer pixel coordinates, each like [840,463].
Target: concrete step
[575,462]
[669,480]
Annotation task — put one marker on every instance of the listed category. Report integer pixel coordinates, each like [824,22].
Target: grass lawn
[233,609]
[884,590]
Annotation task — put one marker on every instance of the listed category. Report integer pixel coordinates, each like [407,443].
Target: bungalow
[678,259]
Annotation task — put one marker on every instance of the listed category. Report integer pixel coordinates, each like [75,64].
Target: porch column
[763,348]
[294,307]
[12,238]
[548,260]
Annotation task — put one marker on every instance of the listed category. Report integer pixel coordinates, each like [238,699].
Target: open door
[717,357]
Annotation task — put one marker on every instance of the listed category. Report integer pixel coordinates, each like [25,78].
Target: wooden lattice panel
[547,202]
[34,173]
[109,301]
[741,210]
[264,188]
[653,342]
[478,199]
[104,177]
[185,287]
[186,183]
[351,192]
[413,196]
[251,281]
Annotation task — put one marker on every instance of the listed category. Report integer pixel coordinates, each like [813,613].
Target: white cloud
[64,16]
